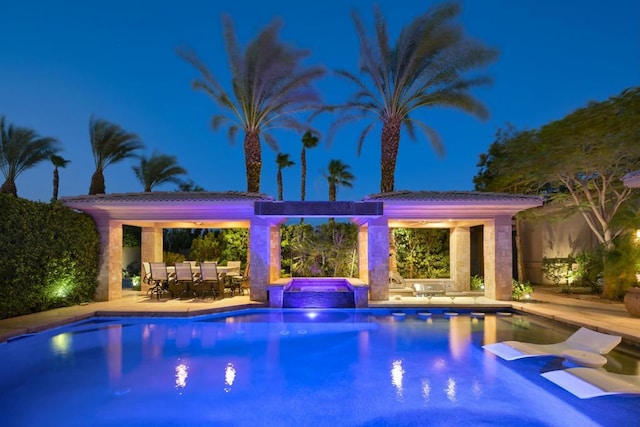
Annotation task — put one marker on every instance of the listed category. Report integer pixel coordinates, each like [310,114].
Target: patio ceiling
[413,209]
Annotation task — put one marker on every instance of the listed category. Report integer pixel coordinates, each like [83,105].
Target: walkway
[609,318]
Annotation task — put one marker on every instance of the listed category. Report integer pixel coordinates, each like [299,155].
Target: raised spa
[318,292]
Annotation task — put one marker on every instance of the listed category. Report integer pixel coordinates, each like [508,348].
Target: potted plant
[632,301]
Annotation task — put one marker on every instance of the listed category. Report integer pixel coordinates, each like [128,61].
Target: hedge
[48,256]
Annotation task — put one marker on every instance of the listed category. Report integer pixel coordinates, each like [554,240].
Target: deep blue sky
[61,61]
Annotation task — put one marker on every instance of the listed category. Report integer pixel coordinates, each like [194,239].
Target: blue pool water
[295,368]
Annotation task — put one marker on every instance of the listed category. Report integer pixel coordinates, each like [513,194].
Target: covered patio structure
[374,215]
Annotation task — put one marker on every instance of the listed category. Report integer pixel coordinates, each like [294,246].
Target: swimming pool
[294,367]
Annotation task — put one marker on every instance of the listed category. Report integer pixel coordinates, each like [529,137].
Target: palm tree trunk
[56,182]
[97,183]
[332,197]
[9,187]
[390,142]
[303,177]
[253,161]
[279,184]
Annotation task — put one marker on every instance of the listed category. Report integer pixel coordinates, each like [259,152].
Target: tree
[308,141]
[576,162]
[58,162]
[338,176]
[587,153]
[423,70]
[158,169]
[283,162]
[21,149]
[269,86]
[189,186]
[109,144]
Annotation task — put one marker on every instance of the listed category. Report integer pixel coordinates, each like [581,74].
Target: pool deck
[611,318]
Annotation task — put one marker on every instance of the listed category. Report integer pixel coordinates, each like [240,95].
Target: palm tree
[338,176]
[21,149]
[189,186]
[283,162]
[58,162]
[308,141]
[158,169]
[269,86]
[424,69]
[109,144]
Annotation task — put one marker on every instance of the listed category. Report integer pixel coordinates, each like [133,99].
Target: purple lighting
[321,292]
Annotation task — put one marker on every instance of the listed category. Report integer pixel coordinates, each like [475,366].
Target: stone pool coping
[606,318]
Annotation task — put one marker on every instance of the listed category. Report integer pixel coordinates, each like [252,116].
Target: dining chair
[160,279]
[234,277]
[209,279]
[184,279]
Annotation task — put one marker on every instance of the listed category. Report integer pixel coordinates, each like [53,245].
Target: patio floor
[609,318]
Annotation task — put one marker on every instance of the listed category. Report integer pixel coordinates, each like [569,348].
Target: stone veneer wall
[498,261]
[378,258]
[110,265]
[460,258]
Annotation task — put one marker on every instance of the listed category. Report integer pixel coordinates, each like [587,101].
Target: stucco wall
[553,238]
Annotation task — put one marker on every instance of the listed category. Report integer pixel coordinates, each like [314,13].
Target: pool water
[295,368]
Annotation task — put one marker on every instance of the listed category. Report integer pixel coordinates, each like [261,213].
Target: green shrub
[477,283]
[590,268]
[520,289]
[48,256]
[620,267]
[170,258]
[559,271]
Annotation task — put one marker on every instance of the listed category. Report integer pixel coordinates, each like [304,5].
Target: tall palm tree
[423,70]
[283,162]
[109,144]
[58,162]
[308,141]
[338,176]
[269,86]
[158,169]
[21,149]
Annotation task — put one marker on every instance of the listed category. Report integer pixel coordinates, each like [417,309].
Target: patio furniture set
[188,279]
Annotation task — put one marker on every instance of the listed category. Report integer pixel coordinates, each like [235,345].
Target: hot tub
[318,284]
[318,292]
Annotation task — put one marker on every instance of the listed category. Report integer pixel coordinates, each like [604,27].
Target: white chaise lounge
[586,383]
[583,339]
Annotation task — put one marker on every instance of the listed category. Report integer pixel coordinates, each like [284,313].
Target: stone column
[110,262]
[264,249]
[378,258]
[460,258]
[363,252]
[151,244]
[498,261]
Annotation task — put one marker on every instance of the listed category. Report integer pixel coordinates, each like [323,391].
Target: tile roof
[168,196]
[450,196]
